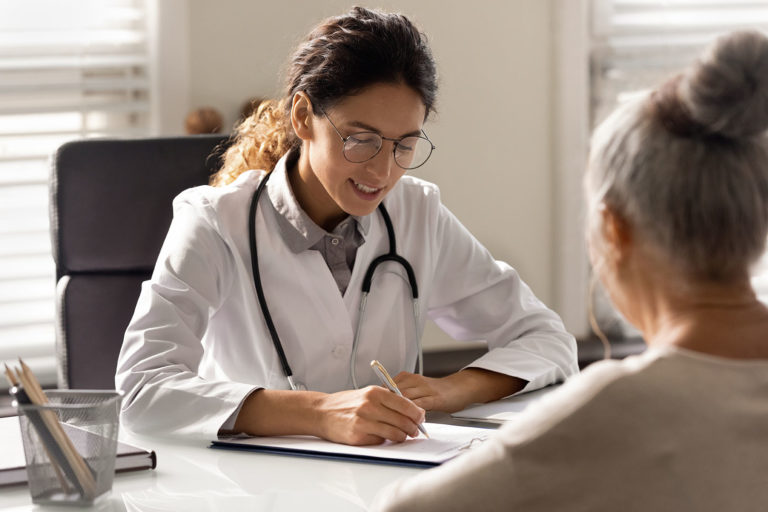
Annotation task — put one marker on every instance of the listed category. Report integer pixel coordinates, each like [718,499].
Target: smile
[365,188]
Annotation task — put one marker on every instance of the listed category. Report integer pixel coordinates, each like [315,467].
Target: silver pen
[385,379]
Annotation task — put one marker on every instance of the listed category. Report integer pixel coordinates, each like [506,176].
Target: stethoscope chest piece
[296,385]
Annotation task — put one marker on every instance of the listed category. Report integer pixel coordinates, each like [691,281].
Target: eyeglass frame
[394,146]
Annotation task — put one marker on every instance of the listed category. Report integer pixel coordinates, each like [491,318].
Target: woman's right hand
[367,416]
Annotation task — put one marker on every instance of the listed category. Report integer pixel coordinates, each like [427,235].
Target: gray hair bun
[726,91]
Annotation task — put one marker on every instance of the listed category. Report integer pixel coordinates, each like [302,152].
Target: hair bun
[726,91]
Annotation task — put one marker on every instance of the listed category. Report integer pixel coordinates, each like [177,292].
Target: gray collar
[298,231]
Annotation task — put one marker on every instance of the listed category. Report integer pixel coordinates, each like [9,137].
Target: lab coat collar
[296,228]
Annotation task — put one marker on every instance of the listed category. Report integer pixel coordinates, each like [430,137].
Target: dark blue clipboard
[311,454]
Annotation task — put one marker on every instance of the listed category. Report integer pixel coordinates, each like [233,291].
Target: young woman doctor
[198,356]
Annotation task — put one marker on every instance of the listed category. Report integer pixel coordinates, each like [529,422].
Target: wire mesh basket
[70,445]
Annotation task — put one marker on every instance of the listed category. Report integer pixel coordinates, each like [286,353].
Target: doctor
[199,357]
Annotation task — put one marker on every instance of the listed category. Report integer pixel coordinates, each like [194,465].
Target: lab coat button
[339,351]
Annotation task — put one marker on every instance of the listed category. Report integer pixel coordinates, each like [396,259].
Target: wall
[492,131]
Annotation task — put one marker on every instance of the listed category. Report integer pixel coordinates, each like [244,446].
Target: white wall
[493,129]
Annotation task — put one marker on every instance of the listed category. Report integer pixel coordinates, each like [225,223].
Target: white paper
[503,410]
[445,442]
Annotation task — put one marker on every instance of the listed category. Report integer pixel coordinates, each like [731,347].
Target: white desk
[193,477]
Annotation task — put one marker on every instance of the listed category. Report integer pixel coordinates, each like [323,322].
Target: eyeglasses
[410,152]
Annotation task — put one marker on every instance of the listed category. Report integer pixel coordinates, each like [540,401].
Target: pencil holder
[70,445]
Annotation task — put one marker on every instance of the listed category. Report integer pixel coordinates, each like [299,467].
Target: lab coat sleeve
[162,348]
[476,297]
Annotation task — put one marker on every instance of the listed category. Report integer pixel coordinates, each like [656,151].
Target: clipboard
[445,443]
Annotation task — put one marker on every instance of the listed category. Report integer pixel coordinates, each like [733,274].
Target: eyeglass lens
[410,152]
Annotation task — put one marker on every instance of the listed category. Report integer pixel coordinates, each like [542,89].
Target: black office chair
[110,207]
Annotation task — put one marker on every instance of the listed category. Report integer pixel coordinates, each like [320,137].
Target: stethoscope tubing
[366,288]
[257,282]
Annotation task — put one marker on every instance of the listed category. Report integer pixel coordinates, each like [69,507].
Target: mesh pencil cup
[70,445]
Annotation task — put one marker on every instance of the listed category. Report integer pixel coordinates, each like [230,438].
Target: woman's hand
[367,416]
[430,393]
[370,415]
[364,416]
[456,391]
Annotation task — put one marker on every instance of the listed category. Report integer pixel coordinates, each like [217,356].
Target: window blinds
[68,69]
[637,44]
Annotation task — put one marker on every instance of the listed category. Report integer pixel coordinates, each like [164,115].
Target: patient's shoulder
[605,392]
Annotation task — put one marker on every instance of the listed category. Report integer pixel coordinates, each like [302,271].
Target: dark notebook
[13,469]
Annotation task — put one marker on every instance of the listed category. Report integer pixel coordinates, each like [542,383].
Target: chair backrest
[110,210]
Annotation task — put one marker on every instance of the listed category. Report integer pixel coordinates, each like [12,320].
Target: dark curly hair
[339,58]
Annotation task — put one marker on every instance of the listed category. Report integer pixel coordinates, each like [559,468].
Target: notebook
[445,443]
[13,469]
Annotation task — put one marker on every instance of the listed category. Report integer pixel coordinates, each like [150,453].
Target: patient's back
[670,429]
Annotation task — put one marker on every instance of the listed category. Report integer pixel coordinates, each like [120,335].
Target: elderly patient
[677,195]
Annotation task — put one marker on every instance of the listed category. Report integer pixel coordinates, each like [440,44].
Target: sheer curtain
[68,69]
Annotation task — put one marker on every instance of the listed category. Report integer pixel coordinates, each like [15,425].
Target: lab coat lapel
[308,311]
[316,324]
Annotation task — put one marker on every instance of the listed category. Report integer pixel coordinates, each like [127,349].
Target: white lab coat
[197,344]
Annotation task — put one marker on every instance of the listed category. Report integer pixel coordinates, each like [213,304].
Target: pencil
[83,473]
[11,378]
[14,381]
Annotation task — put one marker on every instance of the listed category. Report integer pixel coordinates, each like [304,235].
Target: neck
[312,196]
[722,319]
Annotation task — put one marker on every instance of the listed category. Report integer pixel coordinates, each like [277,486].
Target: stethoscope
[366,288]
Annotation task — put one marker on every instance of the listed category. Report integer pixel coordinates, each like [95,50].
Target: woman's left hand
[456,391]
[429,393]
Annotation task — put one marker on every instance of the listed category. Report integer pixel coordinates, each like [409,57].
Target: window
[605,52]
[637,44]
[68,69]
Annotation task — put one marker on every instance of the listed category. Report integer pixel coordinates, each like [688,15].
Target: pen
[385,379]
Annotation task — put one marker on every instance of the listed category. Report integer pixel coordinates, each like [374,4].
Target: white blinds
[636,44]
[68,69]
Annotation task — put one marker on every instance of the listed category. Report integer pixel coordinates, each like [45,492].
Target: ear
[301,115]
[617,234]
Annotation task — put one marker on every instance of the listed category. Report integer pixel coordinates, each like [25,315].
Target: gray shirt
[300,233]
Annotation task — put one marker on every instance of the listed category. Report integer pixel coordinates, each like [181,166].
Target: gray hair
[687,165]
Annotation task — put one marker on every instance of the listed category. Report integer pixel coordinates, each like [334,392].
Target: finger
[369,425]
[403,406]
[425,395]
[385,431]
[362,439]
[410,380]
[407,379]
[365,432]
[427,403]
[417,387]
[385,423]
[415,393]
[398,412]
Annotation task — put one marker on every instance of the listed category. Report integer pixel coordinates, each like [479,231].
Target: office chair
[110,208]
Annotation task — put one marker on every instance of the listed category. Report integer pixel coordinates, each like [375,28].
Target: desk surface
[192,477]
